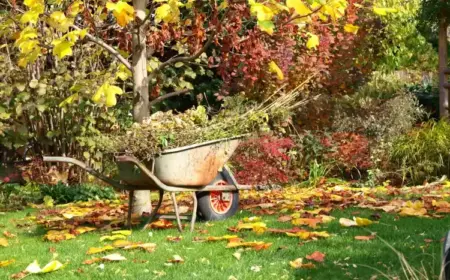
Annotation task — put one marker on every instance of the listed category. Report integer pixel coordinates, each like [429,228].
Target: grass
[346,258]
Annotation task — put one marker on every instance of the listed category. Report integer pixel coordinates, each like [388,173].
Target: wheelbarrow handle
[88,169]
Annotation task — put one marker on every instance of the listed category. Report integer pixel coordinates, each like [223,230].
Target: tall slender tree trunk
[443,60]
[141,110]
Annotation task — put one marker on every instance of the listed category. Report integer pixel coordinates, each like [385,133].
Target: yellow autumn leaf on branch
[266,26]
[313,41]
[383,11]
[76,8]
[262,12]
[300,8]
[59,21]
[273,67]
[106,94]
[62,48]
[123,12]
[169,12]
[350,28]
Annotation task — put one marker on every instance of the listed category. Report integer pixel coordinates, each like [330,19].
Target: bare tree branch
[166,96]
[107,47]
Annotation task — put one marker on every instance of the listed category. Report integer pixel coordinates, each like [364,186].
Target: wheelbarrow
[198,168]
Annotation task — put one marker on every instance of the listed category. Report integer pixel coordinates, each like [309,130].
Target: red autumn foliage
[349,150]
[263,160]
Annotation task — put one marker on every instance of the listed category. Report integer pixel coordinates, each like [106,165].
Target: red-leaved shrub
[262,161]
[348,150]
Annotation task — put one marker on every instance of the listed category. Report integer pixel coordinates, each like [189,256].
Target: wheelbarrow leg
[155,211]
[194,211]
[130,207]
[177,213]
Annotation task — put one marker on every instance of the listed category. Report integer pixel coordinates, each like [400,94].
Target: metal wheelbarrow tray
[198,168]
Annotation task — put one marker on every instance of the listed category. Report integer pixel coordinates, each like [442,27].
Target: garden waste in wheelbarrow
[198,168]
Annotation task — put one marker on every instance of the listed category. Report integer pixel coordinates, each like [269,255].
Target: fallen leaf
[176,259]
[316,256]
[8,234]
[362,222]
[114,257]
[149,247]
[257,245]
[161,224]
[122,232]
[347,222]
[311,222]
[251,219]
[113,237]
[298,263]
[7,262]
[285,218]
[364,237]
[255,268]
[3,242]
[94,250]
[174,238]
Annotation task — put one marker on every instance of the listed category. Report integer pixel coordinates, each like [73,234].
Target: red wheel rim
[220,201]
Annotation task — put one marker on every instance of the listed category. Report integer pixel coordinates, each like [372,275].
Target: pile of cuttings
[165,130]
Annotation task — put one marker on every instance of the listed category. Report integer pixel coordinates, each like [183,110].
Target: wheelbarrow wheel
[217,205]
[446,258]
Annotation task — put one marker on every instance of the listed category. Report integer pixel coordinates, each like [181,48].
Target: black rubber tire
[446,258]
[206,212]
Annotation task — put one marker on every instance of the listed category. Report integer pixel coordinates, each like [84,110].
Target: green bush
[423,153]
[81,192]
[13,196]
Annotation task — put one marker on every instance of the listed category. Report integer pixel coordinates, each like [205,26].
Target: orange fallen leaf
[285,218]
[161,224]
[8,234]
[364,237]
[257,245]
[174,238]
[311,222]
[316,256]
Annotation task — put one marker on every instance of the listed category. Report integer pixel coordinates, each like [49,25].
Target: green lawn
[346,258]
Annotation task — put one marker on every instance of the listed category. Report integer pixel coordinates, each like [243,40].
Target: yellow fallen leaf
[362,222]
[149,247]
[122,232]
[52,266]
[7,262]
[122,243]
[3,242]
[113,237]
[94,250]
[251,219]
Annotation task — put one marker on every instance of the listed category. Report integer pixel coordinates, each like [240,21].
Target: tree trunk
[443,92]
[141,199]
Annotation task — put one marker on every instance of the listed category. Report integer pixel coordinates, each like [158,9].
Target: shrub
[424,152]
[348,151]
[13,196]
[263,160]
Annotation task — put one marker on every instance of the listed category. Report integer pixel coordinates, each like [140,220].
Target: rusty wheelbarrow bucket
[198,168]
